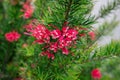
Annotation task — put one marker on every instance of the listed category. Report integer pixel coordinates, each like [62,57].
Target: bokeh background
[115,14]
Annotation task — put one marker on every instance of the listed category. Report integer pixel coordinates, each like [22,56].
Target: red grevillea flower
[61,43]
[65,51]
[71,33]
[55,34]
[53,40]
[64,42]
[40,32]
[65,29]
[28,13]
[28,10]
[96,74]
[12,36]
[48,54]
[92,35]
[54,46]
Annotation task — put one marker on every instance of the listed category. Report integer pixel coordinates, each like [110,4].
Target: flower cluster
[64,37]
[12,36]
[54,40]
[28,10]
[92,35]
[96,74]
[40,32]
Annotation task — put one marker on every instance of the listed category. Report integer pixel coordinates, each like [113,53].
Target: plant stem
[68,10]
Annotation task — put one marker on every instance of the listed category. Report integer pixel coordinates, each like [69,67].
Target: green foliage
[106,58]
[106,27]
[9,21]
[105,10]
[56,12]
[23,58]
[111,49]
[110,68]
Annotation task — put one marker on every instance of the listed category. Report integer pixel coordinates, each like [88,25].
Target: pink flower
[65,51]
[12,36]
[71,33]
[40,32]
[92,35]
[26,5]
[39,41]
[48,54]
[55,34]
[61,39]
[96,74]
[68,36]
[28,13]
[54,46]
[65,29]
[63,42]
[43,53]
[28,10]
[29,27]
[68,41]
